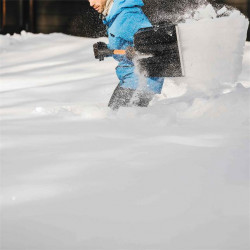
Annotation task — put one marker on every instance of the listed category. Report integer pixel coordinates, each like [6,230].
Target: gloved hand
[101,50]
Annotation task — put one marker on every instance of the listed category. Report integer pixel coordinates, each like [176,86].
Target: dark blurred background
[75,17]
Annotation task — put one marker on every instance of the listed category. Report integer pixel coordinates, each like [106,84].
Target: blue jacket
[124,20]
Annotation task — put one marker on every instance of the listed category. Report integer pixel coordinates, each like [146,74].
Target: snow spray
[173,11]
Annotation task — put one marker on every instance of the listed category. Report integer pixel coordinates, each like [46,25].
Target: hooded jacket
[123,21]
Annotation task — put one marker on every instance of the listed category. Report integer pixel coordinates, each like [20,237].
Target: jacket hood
[119,5]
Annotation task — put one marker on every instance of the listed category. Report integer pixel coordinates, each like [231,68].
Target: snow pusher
[156,51]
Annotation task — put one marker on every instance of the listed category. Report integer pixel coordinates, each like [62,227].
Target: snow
[205,12]
[205,53]
[76,175]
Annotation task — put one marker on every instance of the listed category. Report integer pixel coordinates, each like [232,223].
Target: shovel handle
[119,52]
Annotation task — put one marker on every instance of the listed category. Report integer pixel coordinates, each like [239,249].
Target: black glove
[101,50]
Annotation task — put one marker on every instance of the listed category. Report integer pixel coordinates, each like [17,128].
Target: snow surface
[76,175]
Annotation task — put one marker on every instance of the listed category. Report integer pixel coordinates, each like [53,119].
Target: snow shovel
[156,51]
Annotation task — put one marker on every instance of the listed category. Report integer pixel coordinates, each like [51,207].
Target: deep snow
[76,175]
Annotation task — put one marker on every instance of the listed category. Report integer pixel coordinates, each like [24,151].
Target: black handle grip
[101,51]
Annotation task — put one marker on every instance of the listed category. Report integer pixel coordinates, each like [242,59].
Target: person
[123,19]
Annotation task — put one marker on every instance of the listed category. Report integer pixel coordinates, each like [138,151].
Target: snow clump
[212,46]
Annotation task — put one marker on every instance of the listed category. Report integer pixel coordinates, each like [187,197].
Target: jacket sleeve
[131,23]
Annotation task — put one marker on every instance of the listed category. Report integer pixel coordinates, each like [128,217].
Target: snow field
[76,175]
